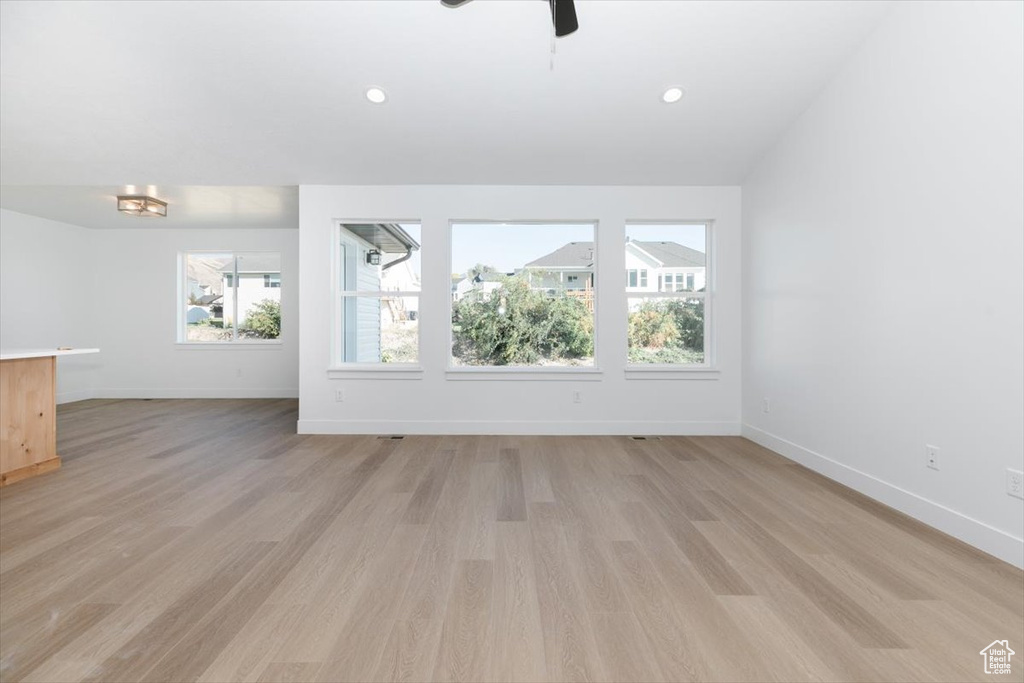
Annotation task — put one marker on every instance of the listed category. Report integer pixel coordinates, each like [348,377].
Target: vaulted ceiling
[273,93]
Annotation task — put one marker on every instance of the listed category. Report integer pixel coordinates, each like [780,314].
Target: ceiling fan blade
[563,14]
[453,3]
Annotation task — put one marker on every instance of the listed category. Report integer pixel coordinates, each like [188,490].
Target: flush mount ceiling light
[672,95]
[141,205]
[376,95]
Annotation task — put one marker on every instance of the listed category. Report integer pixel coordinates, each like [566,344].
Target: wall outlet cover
[1015,483]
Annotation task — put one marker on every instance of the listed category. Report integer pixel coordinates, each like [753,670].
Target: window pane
[379,257]
[256,303]
[379,329]
[207,276]
[513,303]
[666,330]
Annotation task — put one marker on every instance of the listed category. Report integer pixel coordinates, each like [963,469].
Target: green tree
[263,320]
[689,320]
[520,326]
[652,326]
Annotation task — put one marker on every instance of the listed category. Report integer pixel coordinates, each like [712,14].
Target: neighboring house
[401,277]
[567,268]
[259,279]
[362,316]
[664,267]
[480,285]
[650,267]
[196,289]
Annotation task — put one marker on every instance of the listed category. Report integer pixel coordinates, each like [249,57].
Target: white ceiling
[204,207]
[271,93]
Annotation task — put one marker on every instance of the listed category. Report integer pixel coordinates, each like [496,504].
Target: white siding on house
[361,344]
[251,291]
[636,262]
[368,330]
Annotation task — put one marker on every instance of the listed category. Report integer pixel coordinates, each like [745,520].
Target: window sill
[672,372]
[524,374]
[230,345]
[376,371]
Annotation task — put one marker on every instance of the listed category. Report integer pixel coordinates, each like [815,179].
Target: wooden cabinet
[28,440]
[28,412]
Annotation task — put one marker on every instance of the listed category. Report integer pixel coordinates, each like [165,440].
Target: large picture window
[377,293]
[669,310]
[522,294]
[226,297]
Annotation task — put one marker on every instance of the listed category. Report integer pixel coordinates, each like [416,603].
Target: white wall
[46,284]
[883,304]
[438,403]
[140,355]
[64,285]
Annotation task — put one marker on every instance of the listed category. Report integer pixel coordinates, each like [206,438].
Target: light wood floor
[205,541]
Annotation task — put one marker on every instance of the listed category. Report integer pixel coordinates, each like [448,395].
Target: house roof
[673,254]
[255,263]
[390,238]
[207,299]
[572,255]
[581,255]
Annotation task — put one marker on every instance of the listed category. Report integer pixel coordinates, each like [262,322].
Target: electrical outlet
[577,397]
[931,455]
[766,405]
[339,395]
[1014,483]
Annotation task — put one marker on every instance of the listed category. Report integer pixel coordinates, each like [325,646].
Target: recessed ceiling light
[376,95]
[672,95]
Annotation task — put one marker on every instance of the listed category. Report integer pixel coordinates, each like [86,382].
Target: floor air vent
[391,438]
[646,438]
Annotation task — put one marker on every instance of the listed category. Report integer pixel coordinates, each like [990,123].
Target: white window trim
[341,370]
[654,371]
[182,337]
[375,371]
[708,370]
[525,373]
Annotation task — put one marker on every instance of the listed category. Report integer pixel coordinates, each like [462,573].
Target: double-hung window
[376,293]
[669,326]
[522,294]
[225,297]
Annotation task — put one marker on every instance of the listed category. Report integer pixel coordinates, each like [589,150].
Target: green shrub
[667,323]
[520,326]
[689,319]
[263,320]
[652,326]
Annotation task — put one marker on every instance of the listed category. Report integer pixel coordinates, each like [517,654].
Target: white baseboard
[978,534]
[518,427]
[72,396]
[195,393]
